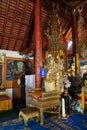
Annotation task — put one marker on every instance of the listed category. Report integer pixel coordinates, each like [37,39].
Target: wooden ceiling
[17,21]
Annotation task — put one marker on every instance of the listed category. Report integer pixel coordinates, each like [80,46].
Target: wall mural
[15,68]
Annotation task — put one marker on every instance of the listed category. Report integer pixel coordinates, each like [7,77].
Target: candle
[63,107]
[83,99]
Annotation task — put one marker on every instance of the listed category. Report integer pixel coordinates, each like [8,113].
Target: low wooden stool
[28,113]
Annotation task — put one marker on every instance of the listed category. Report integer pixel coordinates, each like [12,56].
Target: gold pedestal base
[28,113]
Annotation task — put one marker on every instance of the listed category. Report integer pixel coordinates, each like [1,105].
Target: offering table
[47,102]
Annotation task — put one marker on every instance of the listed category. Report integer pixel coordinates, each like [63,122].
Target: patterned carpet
[74,122]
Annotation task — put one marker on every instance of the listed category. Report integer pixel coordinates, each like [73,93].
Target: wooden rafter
[27,31]
[17,21]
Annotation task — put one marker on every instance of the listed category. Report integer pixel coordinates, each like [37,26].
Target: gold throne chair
[48,99]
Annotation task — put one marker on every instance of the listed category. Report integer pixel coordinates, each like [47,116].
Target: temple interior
[43,57]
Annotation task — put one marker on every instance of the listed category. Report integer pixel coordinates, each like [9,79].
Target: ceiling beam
[12,19]
[11,36]
[28,29]
[27,50]
[69,26]
[21,21]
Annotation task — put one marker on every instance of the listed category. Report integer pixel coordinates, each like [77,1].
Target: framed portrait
[15,68]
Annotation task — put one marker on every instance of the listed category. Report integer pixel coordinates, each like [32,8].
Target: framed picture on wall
[15,68]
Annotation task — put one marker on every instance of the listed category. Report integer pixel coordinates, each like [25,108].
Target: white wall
[29,82]
[15,54]
[9,92]
[11,54]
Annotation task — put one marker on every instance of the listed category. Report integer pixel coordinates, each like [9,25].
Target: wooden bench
[28,113]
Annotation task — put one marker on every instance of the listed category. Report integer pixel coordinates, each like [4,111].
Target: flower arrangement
[67,83]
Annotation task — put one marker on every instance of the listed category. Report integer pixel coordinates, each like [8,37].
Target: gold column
[77,62]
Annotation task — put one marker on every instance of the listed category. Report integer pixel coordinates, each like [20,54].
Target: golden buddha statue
[54,78]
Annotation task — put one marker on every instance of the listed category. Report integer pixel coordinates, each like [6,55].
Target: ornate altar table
[45,104]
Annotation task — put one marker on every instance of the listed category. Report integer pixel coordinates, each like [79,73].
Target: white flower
[66,81]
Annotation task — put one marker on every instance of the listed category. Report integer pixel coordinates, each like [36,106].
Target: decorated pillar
[38,42]
[75,40]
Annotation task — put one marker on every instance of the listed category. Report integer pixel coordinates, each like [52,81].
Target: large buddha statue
[54,78]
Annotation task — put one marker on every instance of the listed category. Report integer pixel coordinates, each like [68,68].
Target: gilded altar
[49,98]
[46,102]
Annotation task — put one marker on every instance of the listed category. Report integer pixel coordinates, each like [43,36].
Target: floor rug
[16,124]
[74,122]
